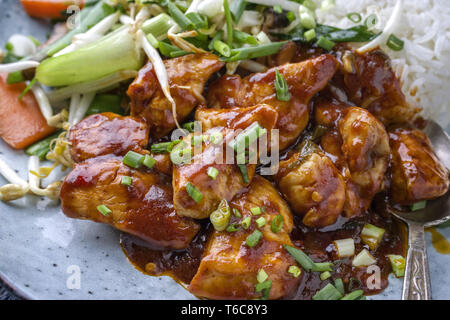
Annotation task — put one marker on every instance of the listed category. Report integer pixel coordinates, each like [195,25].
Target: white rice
[423,64]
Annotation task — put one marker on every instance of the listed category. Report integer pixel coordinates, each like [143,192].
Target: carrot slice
[21,122]
[48,8]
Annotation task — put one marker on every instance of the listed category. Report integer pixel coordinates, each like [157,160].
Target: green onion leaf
[322,266]
[244,172]
[419,205]
[325,43]
[325,275]
[252,52]
[355,295]
[265,288]
[253,239]
[329,292]
[193,192]
[237,8]
[221,216]
[295,271]
[222,48]
[281,87]
[247,137]
[233,227]
[371,21]
[199,20]
[217,36]
[126,181]
[339,284]
[212,173]
[260,222]
[277,223]
[133,159]
[27,88]
[237,213]
[262,276]
[395,43]
[256,211]
[310,35]
[300,257]
[41,148]
[244,37]
[245,223]
[164,147]
[229,21]
[149,161]
[354,17]
[178,16]
[191,126]
[216,137]
[104,210]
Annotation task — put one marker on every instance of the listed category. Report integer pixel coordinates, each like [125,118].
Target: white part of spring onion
[91,86]
[124,19]
[18,66]
[10,175]
[210,8]
[285,4]
[74,102]
[345,247]
[22,46]
[372,235]
[263,38]
[250,18]
[387,31]
[83,106]
[160,70]
[92,35]
[194,6]
[363,259]
[42,100]
[253,66]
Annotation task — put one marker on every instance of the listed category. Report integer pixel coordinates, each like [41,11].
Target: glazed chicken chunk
[417,173]
[304,80]
[313,186]
[229,267]
[218,156]
[107,133]
[187,77]
[144,208]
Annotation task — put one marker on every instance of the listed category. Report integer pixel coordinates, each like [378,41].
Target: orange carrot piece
[21,122]
[48,8]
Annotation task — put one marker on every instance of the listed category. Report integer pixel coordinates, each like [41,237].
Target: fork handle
[416,284]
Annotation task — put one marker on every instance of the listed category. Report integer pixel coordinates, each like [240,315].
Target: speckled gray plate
[39,246]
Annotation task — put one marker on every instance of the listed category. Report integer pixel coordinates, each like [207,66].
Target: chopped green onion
[149,161]
[253,239]
[265,288]
[372,235]
[213,172]
[229,21]
[193,192]
[325,275]
[181,153]
[295,271]
[354,17]
[244,172]
[244,37]
[281,87]
[105,103]
[290,16]
[245,223]
[355,295]
[277,8]
[363,259]
[345,247]
[300,257]
[126,180]
[167,49]
[237,8]
[371,21]
[237,213]
[262,276]
[310,35]
[260,222]
[329,292]
[104,210]
[196,140]
[191,126]
[153,41]
[222,48]
[158,25]
[247,137]
[325,43]
[221,216]
[395,43]
[309,4]
[133,159]
[216,137]
[14,77]
[339,284]
[178,16]
[252,52]
[199,20]
[398,264]
[217,36]
[164,147]
[307,20]
[27,88]
[256,211]
[233,227]
[322,266]
[277,223]
[419,205]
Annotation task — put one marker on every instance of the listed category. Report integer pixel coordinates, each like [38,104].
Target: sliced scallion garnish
[212,173]
[354,295]
[133,159]
[245,223]
[277,223]
[244,172]
[229,22]
[178,16]
[233,227]
[354,17]
[164,147]
[295,271]
[252,52]
[149,161]
[325,43]
[253,239]
[256,211]
[281,87]
[222,48]
[395,43]
[126,180]
[193,192]
[325,275]
[262,276]
[329,292]
[104,210]
[419,205]
[260,222]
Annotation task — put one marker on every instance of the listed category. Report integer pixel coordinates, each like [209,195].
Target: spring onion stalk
[149,161]
[160,70]
[133,159]
[339,285]
[252,52]
[263,38]
[277,223]
[295,271]
[281,87]
[325,275]
[329,292]
[92,35]
[325,43]
[89,18]
[237,213]
[113,53]
[178,16]
[395,43]
[261,276]
[247,137]
[398,264]
[18,66]
[354,17]
[104,210]
[372,235]
[80,111]
[164,147]
[285,4]
[260,222]
[388,29]
[229,22]
[213,172]
[306,17]
[345,247]
[246,222]
[244,37]
[310,35]
[363,259]
[354,295]
[265,288]
[42,100]
[237,8]
[74,102]
[222,48]
[22,46]
[158,26]
[256,211]
[322,266]
[253,239]
[91,86]
[126,181]
[234,227]
[221,216]
[193,192]
[244,172]
[300,257]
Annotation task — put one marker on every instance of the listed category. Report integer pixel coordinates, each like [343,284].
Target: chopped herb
[325,275]
[354,295]
[149,161]
[395,43]
[256,211]
[277,223]
[253,239]
[260,222]
[133,159]
[354,17]
[295,271]
[325,43]
[245,223]
[233,227]
[281,87]
[262,276]
[104,210]
[237,213]
[213,172]
[126,180]
[329,292]
[193,192]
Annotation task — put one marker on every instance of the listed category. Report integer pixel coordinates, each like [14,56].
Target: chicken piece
[359,148]
[313,186]
[304,80]
[417,173]
[107,133]
[143,209]
[187,77]
[229,267]
[229,179]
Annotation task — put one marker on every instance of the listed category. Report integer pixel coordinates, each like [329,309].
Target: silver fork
[416,283]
